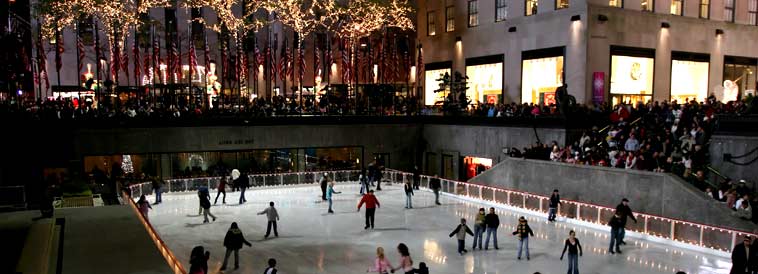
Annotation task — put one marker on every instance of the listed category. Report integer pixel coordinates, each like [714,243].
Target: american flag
[42,63]
[328,58]
[224,60]
[271,55]
[146,63]
[80,50]
[137,59]
[301,62]
[177,60]
[345,56]
[192,57]
[59,51]
[419,67]
[316,63]
[291,63]
[124,59]
[114,61]
[406,65]
[156,53]
[258,60]
[283,63]
[396,68]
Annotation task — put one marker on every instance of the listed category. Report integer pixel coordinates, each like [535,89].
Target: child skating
[460,232]
[522,232]
[329,193]
[272,216]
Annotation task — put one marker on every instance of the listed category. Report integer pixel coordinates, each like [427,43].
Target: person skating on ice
[202,191]
[523,231]
[381,264]
[363,180]
[233,242]
[408,195]
[271,269]
[416,177]
[144,206]
[221,189]
[329,193]
[575,251]
[435,185]
[406,263]
[479,228]
[492,221]
[371,205]
[242,181]
[460,232]
[626,212]
[205,204]
[555,200]
[616,225]
[199,260]
[158,190]
[272,216]
[324,185]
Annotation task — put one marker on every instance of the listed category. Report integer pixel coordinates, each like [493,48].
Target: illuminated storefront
[739,77]
[433,72]
[474,166]
[485,77]
[689,76]
[631,74]
[541,75]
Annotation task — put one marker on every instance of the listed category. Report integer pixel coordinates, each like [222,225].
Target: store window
[689,76]
[473,13]
[677,6]
[631,75]
[561,4]
[752,12]
[647,5]
[431,27]
[485,76]
[729,10]
[705,9]
[432,81]
[541,75]
[501,10]
[450,19]
[739,77]
[474,166]
[531,7]
[616,3]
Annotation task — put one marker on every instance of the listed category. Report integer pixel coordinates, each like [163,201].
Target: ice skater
[522,232]
[371,205]
[626,212]
[199,260]
[555,200]
[416,177]
[460,232]
[272,216]
[242,182]
[158,190]
[144,206]
[406,263]
[202,191]
[205,205]
[381,264]
[479,227]
[271,269]
[233,242]
[617,226]
[408,195]
[363,180]
[435,185]
[324,184]
[329,193]
[221,189]
[492,221]
[575,251]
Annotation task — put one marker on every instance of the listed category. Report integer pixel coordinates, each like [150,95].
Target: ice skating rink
[312,241]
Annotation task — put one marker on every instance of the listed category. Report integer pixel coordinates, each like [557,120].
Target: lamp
[665,25]
[719,32]
[512,29]
[602,18]
[576,18]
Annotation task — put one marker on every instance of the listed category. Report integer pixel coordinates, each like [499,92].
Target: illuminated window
[648,5]
[531,7]
[431,27]
[501,10]
[616,3]
[473,13]
[705,9]
[729,11]
[485,82]
[450,19]
[677,6]
[540,78]
[432,82]
[752,12]
[561,4]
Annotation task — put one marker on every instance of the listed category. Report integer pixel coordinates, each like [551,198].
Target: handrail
[173,263]
[732,233]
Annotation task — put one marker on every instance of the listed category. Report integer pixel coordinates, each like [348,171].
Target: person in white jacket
[272,217]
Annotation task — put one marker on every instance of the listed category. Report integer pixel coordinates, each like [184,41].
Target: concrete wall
[737,146]
[653,193]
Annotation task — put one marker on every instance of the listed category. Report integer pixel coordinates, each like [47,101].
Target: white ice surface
[312,241]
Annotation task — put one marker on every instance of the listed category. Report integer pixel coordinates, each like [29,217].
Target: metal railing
[681,231]
[13,197]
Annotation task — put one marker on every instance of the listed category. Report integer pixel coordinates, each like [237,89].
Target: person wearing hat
[324,183]
[626,212]
[522,232]
[743,257]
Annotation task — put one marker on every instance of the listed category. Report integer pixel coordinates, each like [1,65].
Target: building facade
[603,50]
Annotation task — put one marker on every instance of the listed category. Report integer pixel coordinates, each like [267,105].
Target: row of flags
[380,61]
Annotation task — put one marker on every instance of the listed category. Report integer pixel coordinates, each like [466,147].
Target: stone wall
[736,146]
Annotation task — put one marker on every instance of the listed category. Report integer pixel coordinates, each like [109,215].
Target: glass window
[648,5]
[539,79]
[752,12]
[677,6]
[531,7]
[705,9]
[729,10]
[739,78]
[431,28]
[485,83]
[616,3]
[450,19]
[473,13]
[689,80]
[432,82]
[631,78]
[561,4]
[501,10]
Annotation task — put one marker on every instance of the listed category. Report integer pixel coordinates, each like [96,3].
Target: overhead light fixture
[576,18]
[457,38]
[665,25]
[512,29]
[719,32]
[602,18]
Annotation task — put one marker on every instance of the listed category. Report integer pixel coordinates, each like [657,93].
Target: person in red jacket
[371,205]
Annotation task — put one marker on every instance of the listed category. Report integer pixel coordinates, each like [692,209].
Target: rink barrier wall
[681,233]
[173,263]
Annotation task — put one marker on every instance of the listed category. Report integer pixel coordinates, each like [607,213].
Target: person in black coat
[199,260]
[243,183]
[324,183]
[434,184]
[416,177]
[492,221]
[233,243]
[555,199]
[616,225]
[743,258]
[626,212]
